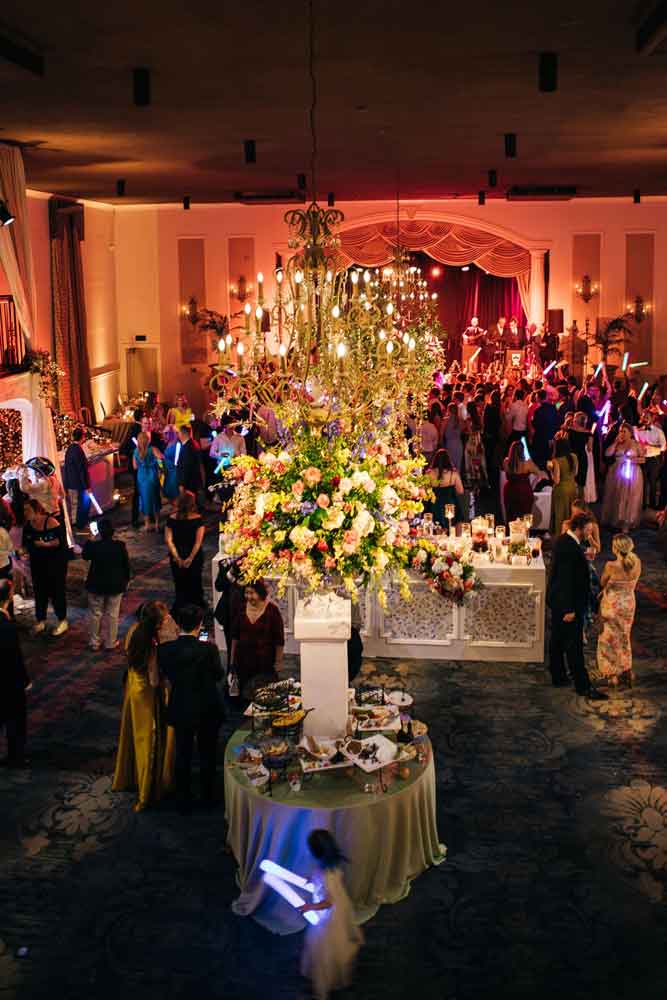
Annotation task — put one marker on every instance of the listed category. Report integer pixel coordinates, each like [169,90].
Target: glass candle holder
[491,521]
[466,530]
[535,548]
[500,531]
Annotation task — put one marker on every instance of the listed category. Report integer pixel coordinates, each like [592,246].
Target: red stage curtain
[464,294]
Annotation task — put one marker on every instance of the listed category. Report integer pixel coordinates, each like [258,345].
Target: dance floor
[554,813]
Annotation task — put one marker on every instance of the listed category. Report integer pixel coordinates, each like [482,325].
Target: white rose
[267,458]
[439,566]
[363,523]
[389,499]
[456,570]
[345,485]
[421,557]
[259,505]
[389,536]
[284,457]
[334,519]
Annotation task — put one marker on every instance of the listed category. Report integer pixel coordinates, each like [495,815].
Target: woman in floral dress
[617,611]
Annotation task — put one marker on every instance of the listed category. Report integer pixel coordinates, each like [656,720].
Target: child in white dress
[331,946]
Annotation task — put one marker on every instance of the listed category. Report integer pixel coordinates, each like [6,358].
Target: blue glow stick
[598,369]
[290,896]
[626,357]
[549,367]
[642,391]
[526,453]
[271,868]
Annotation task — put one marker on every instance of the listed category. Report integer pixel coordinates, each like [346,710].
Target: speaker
[556,321]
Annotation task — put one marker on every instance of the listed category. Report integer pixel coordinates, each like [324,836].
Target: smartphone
[94,530]
[203,636]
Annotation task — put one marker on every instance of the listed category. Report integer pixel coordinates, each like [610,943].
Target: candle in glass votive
[452,531]
[500,531]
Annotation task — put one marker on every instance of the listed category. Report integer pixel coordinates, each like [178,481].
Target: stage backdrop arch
[374,245]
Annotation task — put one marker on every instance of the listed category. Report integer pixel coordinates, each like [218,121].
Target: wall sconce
[241,289]
[587,289]
[639,309]
[191,310]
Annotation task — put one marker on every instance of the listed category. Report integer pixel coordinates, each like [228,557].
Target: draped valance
[449,243]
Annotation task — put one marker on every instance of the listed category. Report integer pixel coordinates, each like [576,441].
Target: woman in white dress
[331,945]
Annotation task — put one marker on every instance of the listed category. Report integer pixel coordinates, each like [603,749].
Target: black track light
[186,202]
[301,182]
[141,86]
[331,199]
[510,145]
[120,188]
[547,72]
[250,151]
[493,178]
[6,217]
[481,198]
[637,196]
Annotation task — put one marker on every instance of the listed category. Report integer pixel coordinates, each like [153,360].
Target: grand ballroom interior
[333,500]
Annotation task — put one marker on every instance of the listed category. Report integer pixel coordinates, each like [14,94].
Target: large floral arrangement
[323,513]
[447,568]
[42,364]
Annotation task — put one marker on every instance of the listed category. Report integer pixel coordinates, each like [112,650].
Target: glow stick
[473,356]
[638,364]
[526,453]
[594,427]
[290,896]
[271,868]
[598,369]
[605,413]
[561,364]
[178,452]
[95,503]
[625,361]
[642,391]
[549,367]
[134,441]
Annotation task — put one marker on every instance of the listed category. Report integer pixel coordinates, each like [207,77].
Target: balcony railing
[12,341]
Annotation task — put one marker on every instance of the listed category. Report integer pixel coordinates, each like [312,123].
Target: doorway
[141,365]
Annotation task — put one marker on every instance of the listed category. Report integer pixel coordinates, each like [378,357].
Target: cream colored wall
[98,253]
[146,255]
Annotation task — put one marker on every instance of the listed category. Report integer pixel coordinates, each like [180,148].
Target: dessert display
[381,734]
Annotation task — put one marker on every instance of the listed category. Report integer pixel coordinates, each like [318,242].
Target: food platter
[369,754]
[376,718]
[400,698]
[320,755]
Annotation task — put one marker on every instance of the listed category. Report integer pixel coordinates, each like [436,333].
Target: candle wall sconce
[639,309]
[241,289]
[587,289]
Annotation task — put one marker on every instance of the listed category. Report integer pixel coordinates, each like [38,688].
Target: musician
[473,334]
[514,335]
[494,341]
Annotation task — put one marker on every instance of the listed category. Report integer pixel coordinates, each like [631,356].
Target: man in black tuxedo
[189,472]
[546,423]
[568,596]
[14,682]
[195,706]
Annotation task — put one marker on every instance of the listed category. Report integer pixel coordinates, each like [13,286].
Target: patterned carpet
[554,812]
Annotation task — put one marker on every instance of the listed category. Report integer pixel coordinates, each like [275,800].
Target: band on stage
[507,345]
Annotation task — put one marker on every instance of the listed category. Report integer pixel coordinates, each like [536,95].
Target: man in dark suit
[546,422]
[568,596]
[189,472]
[14,682]
[76,479]
[195,706]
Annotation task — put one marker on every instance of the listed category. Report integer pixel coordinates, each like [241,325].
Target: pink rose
[249,476]
[312,476]
[323,501]
[297,488]
[350,542]
[329,563]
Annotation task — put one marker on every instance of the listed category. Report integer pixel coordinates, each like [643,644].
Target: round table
[389,837]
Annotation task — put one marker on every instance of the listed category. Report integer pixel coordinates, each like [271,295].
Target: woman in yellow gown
[145,760]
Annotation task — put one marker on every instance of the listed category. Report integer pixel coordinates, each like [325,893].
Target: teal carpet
[554,813]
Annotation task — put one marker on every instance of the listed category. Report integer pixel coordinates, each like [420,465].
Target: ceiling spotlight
[249,151]
[637,196]
[466,267]
[331,199]
[6,217]
[186,202]
[493,178]
[141,86]
[120,188]
[481,198]
[547,73]
[510,145]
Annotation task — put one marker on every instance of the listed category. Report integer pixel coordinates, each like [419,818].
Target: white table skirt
[541,503]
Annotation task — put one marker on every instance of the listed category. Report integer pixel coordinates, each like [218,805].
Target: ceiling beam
[652,30]
[20,53]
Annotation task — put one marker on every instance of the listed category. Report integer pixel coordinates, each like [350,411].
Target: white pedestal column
[537,287]
[323,626]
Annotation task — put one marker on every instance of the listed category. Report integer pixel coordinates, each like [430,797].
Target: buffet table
[390,837]
[504,621]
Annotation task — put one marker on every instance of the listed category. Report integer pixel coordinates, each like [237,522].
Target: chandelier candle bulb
[260,287]
[247,310]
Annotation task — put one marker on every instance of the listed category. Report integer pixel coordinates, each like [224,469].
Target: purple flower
[307,507]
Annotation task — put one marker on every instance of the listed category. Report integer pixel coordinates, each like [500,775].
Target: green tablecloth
[389,837]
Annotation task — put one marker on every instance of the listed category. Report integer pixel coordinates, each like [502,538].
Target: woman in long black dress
[44,540]
[258,640]
[184,535]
